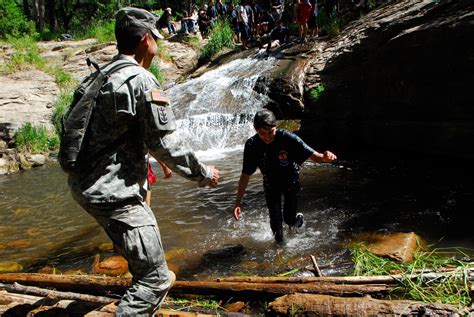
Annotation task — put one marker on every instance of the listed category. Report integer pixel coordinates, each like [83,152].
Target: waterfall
[215,111]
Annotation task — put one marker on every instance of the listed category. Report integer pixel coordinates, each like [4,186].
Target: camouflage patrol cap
[135,17]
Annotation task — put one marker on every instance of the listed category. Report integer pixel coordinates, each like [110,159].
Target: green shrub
[35,139]
[329,23]
[221,36]
[316,93]
[12,20]
[60,107]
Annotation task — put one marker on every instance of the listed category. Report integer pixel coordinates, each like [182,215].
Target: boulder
[397,246]
[397,79]
[112,266]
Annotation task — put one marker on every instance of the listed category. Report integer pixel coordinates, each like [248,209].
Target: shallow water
[374,192]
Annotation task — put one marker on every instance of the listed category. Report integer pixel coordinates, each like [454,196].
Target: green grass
[452,288]
[221,36]
[35,140]
[60,107]
[206,304]
[102,31]
[26,54]
[155,70]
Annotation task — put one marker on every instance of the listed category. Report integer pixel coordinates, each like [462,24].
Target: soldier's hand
[215,177]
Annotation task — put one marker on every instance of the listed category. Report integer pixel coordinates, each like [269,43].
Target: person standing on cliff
[278,154]
[128,121]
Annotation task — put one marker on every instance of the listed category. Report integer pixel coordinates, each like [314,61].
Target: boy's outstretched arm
[325,157]
[243,181]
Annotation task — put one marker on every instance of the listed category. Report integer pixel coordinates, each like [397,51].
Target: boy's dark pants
[273,196]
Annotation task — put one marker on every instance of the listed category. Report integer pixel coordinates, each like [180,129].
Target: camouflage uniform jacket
[124,127]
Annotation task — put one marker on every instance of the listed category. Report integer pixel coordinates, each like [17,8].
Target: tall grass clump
[452,288]
[60,107]
[26,54]
[155,70]
[35,140]
[220,37]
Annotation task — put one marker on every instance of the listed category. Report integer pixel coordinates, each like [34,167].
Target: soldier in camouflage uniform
[127,122]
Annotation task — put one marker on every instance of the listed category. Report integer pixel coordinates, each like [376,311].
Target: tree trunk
[324,305]
[38,7]
[51,12]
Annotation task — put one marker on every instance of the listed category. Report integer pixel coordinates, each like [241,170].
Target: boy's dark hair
[128,38]
[264,119]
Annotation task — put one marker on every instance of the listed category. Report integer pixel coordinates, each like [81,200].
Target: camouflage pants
[134,231]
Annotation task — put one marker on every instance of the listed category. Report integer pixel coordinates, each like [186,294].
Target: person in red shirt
[303,12]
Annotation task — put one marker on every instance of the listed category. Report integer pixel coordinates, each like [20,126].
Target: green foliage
[155,70]
[103,31]
[62,78]
[329,23]
[221,36]
[26,54]
[12,20]
[452,288]
[207,304]
[60,107]
[289,125]
[316,93]
[35,139]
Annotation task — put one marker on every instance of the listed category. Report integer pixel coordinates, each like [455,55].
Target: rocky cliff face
[398,79]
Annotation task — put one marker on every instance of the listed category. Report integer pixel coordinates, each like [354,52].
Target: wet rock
[10,267]
[105,247]
[3,145]
[112,266]
[24,163]
[37,159]
[235,307]
[8,162]
[396,246]
[19,244]
[226,253]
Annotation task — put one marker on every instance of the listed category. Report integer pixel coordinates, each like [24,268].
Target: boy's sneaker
[279,235]
[299,220]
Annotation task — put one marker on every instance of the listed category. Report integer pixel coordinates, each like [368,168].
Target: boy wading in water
[278,154]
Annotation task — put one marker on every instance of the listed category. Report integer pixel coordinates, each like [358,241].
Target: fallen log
[95,284]
[77,283]
[324,305]
[57,295]
[250,290]
[379,279]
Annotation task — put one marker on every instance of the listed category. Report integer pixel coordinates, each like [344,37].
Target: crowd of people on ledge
[254,23]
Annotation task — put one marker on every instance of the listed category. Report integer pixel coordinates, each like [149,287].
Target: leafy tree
[12,20]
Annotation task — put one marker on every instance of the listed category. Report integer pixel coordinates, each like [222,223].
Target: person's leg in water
[273,199]
[290,205]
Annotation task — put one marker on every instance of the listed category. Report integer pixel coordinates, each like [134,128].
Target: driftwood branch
[57,295]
